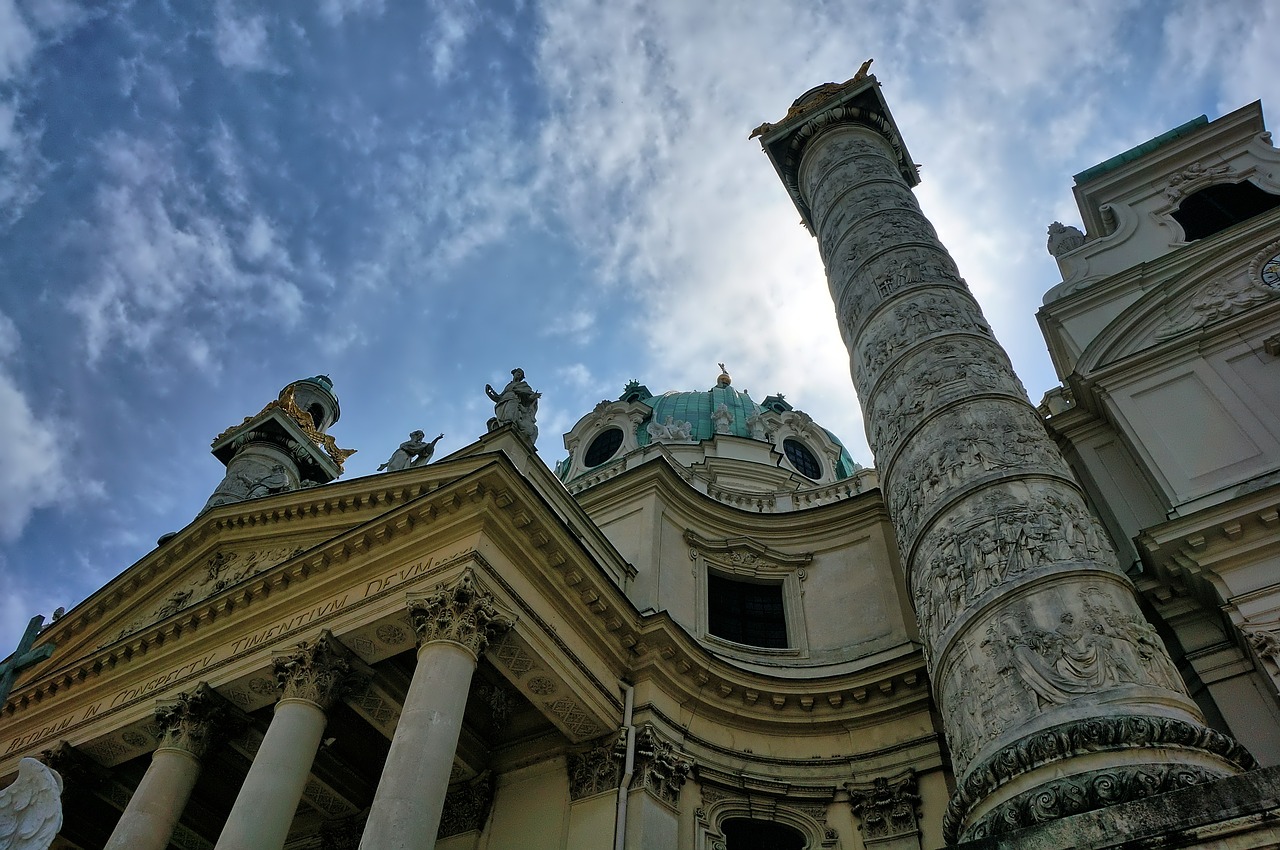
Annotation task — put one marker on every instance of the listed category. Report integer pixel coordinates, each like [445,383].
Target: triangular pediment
[1185,308]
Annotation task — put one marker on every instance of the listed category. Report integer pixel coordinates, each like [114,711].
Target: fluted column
[188,726]
[1055,693]
[454,624]
[311,678]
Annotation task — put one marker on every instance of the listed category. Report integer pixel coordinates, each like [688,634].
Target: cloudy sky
[200,202]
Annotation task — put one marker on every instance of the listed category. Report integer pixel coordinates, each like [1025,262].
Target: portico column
[312,678]
[453,625]
[188,727]
[1056,694]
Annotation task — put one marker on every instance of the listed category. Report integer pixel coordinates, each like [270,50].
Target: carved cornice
[1086,792]
[595,770]
[460,612]
[744,553]
[317,671]
[1079,738]
[660,768]
[192,721]
[466,806]
[886,806]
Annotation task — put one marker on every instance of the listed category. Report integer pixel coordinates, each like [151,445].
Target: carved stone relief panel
[1063,645]
[930,313]
[997,538]
[962,446]
[934,375]
[842,224]
[840,164]
[216,573]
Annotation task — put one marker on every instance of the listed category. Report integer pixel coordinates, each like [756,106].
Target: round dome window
[802,459]
[603,447]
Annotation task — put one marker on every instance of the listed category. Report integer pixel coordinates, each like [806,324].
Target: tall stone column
[312,678]
[188,726]
[454,624]
[1056,694]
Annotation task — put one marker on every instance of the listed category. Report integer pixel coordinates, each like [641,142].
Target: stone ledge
[1237,812]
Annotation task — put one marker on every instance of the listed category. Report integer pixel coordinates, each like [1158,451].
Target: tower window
[317,415]
[603,447]
[746,612]
[1216,208]
[802,459]
[749,834]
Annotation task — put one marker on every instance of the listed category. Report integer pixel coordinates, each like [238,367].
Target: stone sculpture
[669,431]
[722,418]
[516,405]
[31,808]
[412,452]
[1063,238]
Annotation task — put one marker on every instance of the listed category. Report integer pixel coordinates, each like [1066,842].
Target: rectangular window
[746,612]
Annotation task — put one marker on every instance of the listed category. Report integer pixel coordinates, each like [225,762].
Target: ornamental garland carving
[1213,302]
[660,768]
[596,770]
[466,806]
[192,721]
[1080,737]
[1097,789]
[1194,177]
[460,612]
[317,671]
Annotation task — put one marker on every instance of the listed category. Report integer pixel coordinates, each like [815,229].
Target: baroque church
[707,628]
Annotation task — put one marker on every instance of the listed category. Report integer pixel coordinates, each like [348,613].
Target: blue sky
[200,202]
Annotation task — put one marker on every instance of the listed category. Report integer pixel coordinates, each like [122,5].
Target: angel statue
[412,452]
[31,808]
[517,405]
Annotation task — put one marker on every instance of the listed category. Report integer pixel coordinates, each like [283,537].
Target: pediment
[1186,308]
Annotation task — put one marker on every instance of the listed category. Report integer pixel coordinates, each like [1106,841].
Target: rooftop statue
[412,452]
[516,405]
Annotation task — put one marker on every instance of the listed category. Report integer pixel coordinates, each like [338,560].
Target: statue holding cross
[23,656]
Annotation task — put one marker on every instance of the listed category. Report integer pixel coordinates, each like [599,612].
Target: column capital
[317,671]
[460,612]
[886,806]
[660,768]
[191,721]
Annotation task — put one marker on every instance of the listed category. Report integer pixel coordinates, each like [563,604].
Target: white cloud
[335,11]
[241,41]
[33,475]
[577,375]
[171,274]
[17,41]
[455,21]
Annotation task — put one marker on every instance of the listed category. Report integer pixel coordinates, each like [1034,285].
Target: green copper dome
[696,408]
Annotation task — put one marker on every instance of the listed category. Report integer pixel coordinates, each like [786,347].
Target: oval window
[802,459]
[603,447]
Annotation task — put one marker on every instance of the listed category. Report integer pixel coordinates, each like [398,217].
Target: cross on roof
[23,656]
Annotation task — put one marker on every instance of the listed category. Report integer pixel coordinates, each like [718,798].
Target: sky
[202,202]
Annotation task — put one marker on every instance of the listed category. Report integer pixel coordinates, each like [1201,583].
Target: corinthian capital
[317,671]
[191,721]
[460,612]
[661,769]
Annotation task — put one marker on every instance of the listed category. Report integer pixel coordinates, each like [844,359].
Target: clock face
[1270,272]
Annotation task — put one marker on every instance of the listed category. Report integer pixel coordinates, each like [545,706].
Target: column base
[1115,760]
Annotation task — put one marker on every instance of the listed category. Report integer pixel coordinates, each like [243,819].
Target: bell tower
[283,447]
[1056,695]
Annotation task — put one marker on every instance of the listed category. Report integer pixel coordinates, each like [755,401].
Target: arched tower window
[317,414]
[1215,208]
[749,834]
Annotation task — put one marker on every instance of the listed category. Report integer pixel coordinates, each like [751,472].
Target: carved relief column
[188,727]
[1056,694]
[311,678]
[454,624]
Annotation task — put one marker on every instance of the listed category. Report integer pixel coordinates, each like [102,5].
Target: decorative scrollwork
[460,612]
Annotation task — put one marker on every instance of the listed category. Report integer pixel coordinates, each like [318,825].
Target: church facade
[708,628]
